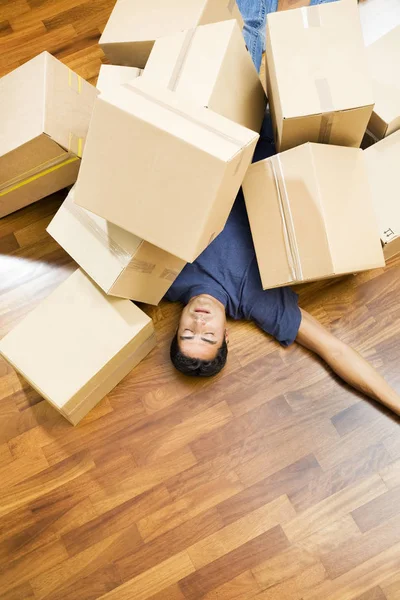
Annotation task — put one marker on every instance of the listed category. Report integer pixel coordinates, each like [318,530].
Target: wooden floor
[274,481]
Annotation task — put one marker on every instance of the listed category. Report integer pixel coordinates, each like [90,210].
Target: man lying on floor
[224,280]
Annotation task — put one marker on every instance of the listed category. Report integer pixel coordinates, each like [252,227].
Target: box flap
[37,155]
[102,249]
[319,59]
[22,120]
[65,341]
[384,60]
[69,105]
[383,162]
[348,212]
[113,75]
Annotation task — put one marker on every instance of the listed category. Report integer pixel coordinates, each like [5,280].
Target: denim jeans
[254,13]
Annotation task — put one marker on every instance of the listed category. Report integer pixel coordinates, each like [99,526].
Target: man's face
[201,329]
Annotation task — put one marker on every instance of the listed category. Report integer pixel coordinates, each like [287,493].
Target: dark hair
[197,367]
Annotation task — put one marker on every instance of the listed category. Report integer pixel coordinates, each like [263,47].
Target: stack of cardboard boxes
[162,148]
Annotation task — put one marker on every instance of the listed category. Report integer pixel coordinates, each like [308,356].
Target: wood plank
[361,465]
[240,532]
[378,510]
[189,506]
[334,507]
[154,580]
[361,548]
[234,563]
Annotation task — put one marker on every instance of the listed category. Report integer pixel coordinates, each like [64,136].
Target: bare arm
[346,362]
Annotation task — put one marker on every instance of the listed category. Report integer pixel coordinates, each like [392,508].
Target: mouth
[202,310]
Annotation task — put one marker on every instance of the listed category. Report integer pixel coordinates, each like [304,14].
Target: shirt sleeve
[275,311]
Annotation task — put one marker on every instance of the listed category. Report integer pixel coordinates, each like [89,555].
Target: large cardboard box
[78,344]
[45,111]
[384,60]
[134,25]
[311,214]
[211,66]
[113,75]
[119,262]
[318,82]
[162,168]
[383,163]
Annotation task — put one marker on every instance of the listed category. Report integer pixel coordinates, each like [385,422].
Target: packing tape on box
[326,105]
[75,144]
[83,216]
[311,16]
[180,61]
[289,235]
[14,186]
[239,144]
[74,81]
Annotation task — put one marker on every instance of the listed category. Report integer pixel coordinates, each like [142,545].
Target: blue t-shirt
[228,271]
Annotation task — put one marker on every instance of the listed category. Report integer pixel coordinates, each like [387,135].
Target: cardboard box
[172,169]
[45,111]
[78,344]
[134,25]
[113,75]
[318,82]
[311,214]
[383,163]
[119,262]
[384,60]
[211,66]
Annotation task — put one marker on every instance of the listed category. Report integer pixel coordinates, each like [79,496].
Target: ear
[226,336]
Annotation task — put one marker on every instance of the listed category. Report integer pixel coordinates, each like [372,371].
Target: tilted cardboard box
[318,82]
[112,75]
[119,262]
[211,66]
[134,25]
[45,111]
[311,214]
[383,164]
[162,168]
[78,344]
[383,61]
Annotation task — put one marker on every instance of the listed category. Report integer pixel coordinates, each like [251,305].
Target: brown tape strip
[184,115]
[327,110]
[289,234]
[180,61]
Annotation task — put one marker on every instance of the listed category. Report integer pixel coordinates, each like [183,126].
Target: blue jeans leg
[314,2]
[254,13]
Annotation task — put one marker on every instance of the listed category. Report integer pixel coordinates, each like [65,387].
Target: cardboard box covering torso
[78,344]
[311,214]
[45,112]
[211,66]
[172,169]
[318,82]
[134,25]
